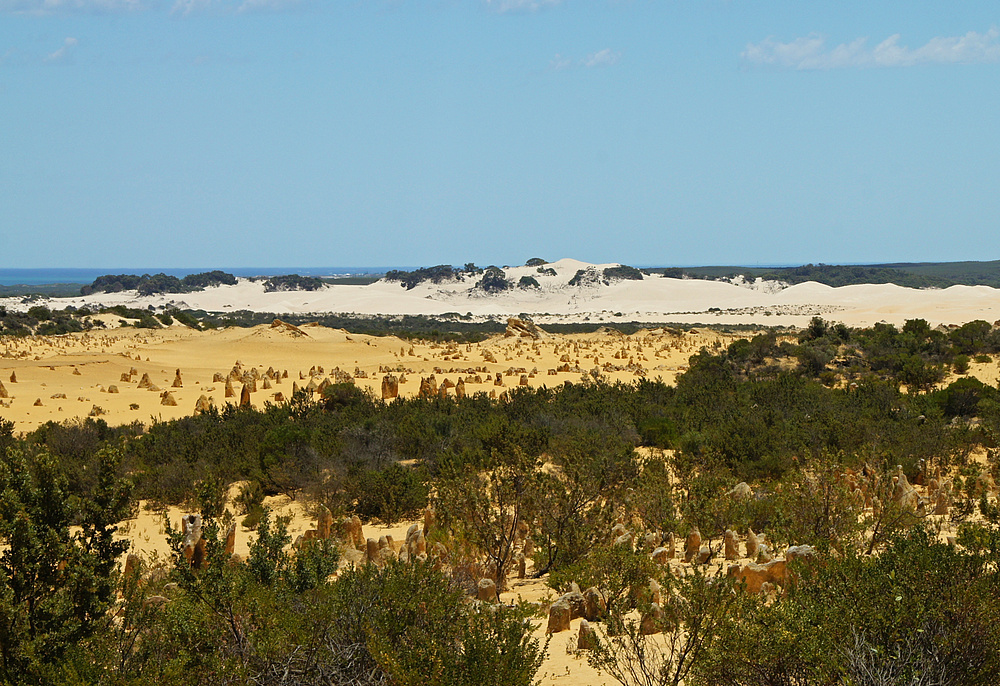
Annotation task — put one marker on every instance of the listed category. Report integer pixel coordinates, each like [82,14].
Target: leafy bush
[293,282]
[919,602]
[410,280]
[622,272]
[388,494]
[494,281]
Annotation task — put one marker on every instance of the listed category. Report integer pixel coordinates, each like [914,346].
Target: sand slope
[653,299]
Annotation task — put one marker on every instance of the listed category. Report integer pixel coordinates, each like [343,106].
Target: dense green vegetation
[50,290]
[42,320]
[146,284]
[411,280]
[494,280]
[622,272]
[293,282]
[908,274]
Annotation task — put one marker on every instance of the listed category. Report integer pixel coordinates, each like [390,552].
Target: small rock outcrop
[692,546]
[390,387]
[731,548]
[487,590]
[203,405]
[560,615]
[752,544]
[522,329]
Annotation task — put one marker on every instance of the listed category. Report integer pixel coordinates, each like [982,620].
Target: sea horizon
[45,276]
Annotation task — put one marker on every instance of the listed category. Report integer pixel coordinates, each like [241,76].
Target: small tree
[697,605]
[56,588]
[488,508]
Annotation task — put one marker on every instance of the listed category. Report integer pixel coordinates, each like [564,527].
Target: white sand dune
[652,299]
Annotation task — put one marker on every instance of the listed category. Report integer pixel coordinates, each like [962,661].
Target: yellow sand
[72,374]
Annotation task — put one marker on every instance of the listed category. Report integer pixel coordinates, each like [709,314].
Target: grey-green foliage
[56,587]
[918,604]
[685,630]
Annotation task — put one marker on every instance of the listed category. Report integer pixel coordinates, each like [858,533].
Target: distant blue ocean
[38,277]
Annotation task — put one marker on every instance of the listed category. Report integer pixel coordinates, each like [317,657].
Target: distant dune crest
[574,291]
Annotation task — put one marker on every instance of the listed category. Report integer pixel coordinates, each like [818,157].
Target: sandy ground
[653,299]
[63,377]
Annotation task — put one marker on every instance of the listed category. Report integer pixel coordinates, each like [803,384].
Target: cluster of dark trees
[608,275]
[147,284]
[293,282]
[438,274]
[41,320]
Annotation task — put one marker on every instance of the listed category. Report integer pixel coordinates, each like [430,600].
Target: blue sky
[211,133]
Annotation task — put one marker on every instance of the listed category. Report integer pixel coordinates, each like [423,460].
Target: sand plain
[56,378]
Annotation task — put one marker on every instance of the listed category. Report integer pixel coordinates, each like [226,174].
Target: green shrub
[388,494]
[960,364]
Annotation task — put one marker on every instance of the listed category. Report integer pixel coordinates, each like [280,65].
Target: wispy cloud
[503,6]
[810,52]
[63,53]
[188,7]
[602,58]
[69,6]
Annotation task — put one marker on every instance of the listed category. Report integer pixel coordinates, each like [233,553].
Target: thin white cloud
[559,63]
[503,6]
[810,52]
[267,5]
[63,53]
[69,6]
[602,58]
[187,7]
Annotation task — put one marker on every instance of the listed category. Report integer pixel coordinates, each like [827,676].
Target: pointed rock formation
[230,393]
[203,405]
[145,382]
[731,549]
[752,544]
[390,387]
[245,397]
[166,398]
[692,546]
[177,380]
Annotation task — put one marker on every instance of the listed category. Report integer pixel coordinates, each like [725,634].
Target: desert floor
[63,378]
[56,378]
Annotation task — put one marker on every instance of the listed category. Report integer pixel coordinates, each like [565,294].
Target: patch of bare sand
[60,378]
